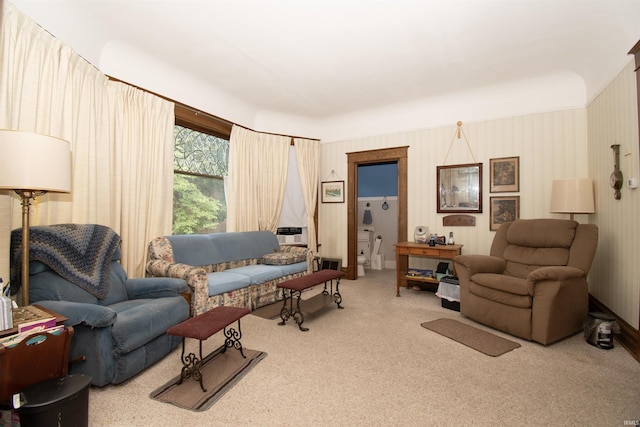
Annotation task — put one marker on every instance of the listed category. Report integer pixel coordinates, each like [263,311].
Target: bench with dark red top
[299,284]
[203,326]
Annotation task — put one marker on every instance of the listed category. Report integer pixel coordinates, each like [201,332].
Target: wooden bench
[203,326]
[299,284]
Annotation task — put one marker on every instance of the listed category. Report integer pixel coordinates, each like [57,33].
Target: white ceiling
[323,58]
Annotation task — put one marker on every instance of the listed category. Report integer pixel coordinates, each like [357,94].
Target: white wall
[550,145]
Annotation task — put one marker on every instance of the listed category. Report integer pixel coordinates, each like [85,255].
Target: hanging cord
[333,176]
[458,132]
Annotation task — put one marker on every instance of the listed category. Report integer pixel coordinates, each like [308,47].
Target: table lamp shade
[572,196]
[34,162]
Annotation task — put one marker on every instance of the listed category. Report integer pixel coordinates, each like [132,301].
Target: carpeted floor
[372,364]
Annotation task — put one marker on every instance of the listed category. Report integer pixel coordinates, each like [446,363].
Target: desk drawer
[425,252]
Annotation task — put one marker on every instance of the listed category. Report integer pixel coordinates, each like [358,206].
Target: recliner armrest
[481,264]
[558,273]
[155,287]
[78,313]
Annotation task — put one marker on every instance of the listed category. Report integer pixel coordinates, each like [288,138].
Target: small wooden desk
[406,249]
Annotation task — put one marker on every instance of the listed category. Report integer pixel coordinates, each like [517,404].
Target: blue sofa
[121,334]
[240,269]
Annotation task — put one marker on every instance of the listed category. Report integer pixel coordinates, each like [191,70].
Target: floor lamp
[32,165]
[572,196]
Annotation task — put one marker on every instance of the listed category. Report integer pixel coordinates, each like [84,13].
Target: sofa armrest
[557,273]
[155,287]
[473,264]
[78,313]
[196,277]
[301,249]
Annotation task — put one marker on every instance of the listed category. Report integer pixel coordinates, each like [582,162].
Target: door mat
[482,341]
[220,372]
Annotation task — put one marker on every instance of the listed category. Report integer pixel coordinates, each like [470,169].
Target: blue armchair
[116,335]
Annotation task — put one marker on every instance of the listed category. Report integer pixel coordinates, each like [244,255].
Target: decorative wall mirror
[459,188]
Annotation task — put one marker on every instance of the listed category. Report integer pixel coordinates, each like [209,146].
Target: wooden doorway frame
[397,154]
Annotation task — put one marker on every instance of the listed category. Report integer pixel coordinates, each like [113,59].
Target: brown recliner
[533,284]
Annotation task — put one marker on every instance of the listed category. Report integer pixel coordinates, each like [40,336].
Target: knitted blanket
[81,253]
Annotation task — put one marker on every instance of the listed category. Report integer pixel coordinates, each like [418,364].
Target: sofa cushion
[298,267]
[542,233]
[117,290]
[47,285]
[503,283]
[225,281]
[215,248]
[283,258]
[500,296]
[259,273]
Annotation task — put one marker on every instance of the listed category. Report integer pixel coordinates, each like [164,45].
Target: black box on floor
[57,402]
[451,305]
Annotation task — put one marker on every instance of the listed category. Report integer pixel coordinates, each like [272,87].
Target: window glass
[200,165]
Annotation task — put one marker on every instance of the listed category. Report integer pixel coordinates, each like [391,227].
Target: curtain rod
[211,116]
[278,134]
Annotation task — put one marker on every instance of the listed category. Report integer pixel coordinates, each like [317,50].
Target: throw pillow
[283,258]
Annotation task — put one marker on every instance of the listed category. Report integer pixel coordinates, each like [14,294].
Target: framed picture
[459,188]
[332,191]
[505,174]
[503,209]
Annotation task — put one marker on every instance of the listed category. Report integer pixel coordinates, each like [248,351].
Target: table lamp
[32,165]
[572,196]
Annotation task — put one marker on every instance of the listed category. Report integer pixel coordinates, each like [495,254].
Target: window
[200,163]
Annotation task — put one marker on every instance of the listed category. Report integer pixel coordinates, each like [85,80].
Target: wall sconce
[572,196]
[32,165]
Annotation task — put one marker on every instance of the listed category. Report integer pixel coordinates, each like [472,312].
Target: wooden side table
[406,249]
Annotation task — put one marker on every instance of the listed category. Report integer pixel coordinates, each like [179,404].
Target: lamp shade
[572,195]
[31,161]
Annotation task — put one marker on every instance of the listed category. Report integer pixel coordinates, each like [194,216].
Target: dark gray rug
[221,371]
[475,338]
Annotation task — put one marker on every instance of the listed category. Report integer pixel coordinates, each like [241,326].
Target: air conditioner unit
[292,235]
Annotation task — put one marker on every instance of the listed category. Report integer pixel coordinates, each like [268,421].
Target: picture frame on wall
[332,191]
[503,209]
[504,174]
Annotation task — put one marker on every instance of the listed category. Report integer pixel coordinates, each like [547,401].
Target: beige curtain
[242,214]
[308,155]
[121,140]
[258,165]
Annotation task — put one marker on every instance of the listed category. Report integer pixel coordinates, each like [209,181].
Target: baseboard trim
[629,337]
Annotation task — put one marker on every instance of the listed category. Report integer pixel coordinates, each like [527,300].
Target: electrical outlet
[632,183]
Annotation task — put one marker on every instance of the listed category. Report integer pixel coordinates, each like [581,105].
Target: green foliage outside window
[200,161]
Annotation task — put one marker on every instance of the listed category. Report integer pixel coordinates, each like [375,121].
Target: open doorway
[397,154]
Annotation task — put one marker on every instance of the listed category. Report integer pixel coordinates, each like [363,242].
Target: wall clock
[615,179]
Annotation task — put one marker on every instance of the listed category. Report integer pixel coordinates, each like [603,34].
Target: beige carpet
[483,341]
[372,364]
[220,372]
